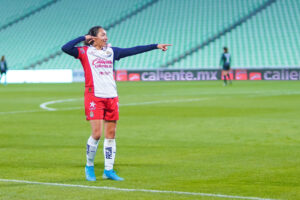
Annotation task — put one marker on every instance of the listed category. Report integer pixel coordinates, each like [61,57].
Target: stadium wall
[39,76]
[292,74]
[69,76]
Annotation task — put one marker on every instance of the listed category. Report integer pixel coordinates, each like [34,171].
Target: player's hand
[163,47]
[90,38]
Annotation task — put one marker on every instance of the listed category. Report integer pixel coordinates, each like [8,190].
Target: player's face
[102,41]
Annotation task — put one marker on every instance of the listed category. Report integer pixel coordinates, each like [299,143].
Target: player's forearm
[135,50]
[70,48]
[140,49]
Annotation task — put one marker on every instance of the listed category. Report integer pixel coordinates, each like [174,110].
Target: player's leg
[109,149]
[228,76]
[5,79]
[93,141]
[95,114]
[225,77]
[229,79]
[91,148]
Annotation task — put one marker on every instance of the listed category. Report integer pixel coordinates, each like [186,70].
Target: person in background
[225,63]
[3,69]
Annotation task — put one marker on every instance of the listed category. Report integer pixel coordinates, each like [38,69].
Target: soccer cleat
[111,174]
[90,173]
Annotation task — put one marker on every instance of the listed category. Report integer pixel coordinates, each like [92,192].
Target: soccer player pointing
[100,97]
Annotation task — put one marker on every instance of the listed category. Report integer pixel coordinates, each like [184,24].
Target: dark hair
[93,32]
[2,58]
[225,49]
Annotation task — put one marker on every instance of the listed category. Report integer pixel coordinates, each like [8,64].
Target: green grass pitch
[241,140]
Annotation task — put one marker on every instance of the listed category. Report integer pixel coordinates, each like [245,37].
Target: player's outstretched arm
[125,52]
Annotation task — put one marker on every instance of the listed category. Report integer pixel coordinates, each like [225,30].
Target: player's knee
[110,133]
[96,133]
[96,137]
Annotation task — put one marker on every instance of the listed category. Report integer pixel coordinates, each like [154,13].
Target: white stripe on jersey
[227,57]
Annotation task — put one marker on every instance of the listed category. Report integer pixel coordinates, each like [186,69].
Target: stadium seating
[14,9]
[44,32]
[180,23]
[268,39]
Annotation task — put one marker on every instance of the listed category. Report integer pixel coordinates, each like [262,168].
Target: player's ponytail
[93,32]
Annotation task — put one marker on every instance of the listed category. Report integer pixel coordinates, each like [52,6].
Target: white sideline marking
[134,190]
[251,94]
[45,105]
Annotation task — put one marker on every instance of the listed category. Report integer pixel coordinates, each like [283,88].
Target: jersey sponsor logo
[104,73]
[108,152]
[102,63]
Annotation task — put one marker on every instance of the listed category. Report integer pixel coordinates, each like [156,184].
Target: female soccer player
[225,62]
[3,69]
[100,97]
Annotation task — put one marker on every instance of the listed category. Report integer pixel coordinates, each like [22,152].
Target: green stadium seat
[269,39]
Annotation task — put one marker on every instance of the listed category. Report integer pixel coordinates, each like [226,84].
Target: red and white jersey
[98,71]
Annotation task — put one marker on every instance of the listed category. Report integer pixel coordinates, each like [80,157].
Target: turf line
[45,107]
[133,190]
[45,104]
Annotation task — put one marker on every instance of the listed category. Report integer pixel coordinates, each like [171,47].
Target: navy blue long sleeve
[124,52]
[119,53]
[70,48]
